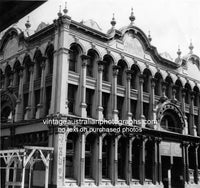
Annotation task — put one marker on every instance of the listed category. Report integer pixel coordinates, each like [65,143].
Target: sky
[172,23]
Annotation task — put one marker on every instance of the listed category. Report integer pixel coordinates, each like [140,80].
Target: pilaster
[114,93]
[19,105]
[99,88]
[128,94]
[41,107]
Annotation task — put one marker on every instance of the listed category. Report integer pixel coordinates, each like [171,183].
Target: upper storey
[129,43]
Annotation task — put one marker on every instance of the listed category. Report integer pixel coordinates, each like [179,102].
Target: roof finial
[27,24]
[191,47]
[113,22]
[132,17]
[59,13]
[65,9]
[149,37]
[179,51]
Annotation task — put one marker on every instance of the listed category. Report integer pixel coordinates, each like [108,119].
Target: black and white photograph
[100,94]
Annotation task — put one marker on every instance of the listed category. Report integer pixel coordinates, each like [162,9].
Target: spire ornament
[149,36]
[191,47]
[179,51]
[132,17]
[113,21]
[59,13]
[27,24]
[65,9]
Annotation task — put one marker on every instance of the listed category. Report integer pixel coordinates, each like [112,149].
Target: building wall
[68,71]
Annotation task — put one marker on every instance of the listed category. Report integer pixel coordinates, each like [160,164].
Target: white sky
[171,22]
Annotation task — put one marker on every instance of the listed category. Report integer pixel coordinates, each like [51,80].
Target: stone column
[155,162]
[41,107]
[114,93]
[196,175]
[193,128]
[99,88]
[183,146]
[129,176]
[187,162]
[99,174]
[152,110]
[83,112]
[30,109]
[19,107]
[142,118]
[142,159]
[115,166]
[159,164]
[128,94]
[82,160]
[183,110]
[57,139]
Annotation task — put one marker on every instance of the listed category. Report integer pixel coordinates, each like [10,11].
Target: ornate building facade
[67,72]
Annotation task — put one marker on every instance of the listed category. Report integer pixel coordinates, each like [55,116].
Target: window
[73,58]
[48,99]
[71,98]
[135,159]
[91,62]
[106,157]
[105,100]
[89,156]
[121,158]
[89,98]
[133,108]
[120,101]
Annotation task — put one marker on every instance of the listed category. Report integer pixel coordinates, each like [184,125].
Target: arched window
[147,80]
[120,77]
[135,77]
[187,93]
[49,53]
[178,85]
[17,68]
[27,64]
[73,57]
[106,67]
[158,81]
[38,62]
[91,62]
[169,86]
[171,121]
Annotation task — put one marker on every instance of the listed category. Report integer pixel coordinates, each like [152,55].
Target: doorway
[172,174]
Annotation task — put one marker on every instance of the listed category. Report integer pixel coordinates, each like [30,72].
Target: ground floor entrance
[172,172]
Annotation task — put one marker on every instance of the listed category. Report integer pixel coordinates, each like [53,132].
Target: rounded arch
[147,75]
[107,67]
[75,51]
[92,62]
[49,52]
[122,67]
[135,76]
[38,61]
[170,117]
[158,83]
[170,83]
